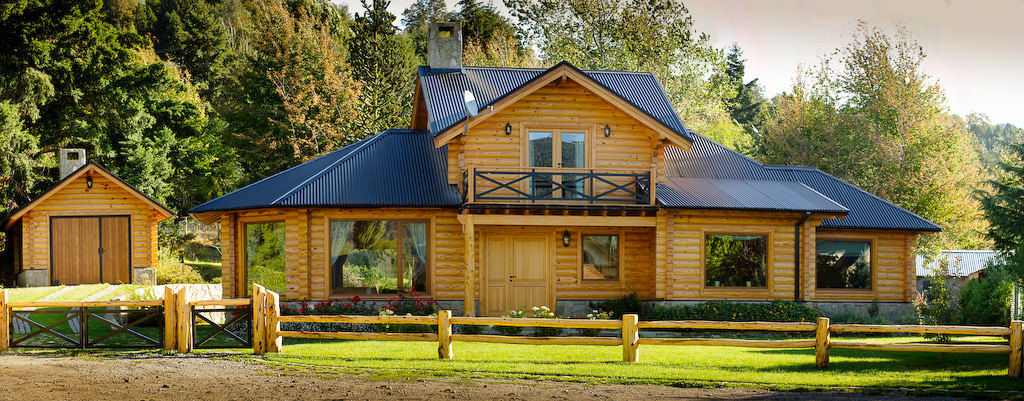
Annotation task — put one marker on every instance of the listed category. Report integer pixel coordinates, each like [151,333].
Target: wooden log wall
[894,272]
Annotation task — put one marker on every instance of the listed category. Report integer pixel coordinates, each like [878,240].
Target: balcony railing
[557,185]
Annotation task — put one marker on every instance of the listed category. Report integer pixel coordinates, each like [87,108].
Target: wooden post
[630,338]
[471,180]
[821,344]
[184,320]
[469,232]
[273,308]
[259,336]
[444,334]
[5,322]
[1015,349]
[170,318]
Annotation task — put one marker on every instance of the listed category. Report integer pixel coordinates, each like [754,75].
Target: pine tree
[747,106]
[1003,206]
[383,63]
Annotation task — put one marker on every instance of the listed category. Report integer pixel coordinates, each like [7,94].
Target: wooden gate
[90,249]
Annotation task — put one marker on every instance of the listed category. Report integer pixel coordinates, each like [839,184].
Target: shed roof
[443,92]
[89,167]
[708,160]
[961,262]
[393,168]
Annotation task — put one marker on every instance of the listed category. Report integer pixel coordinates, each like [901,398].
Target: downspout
[796,256]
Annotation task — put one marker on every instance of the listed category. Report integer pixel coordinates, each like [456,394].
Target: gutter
[796,256]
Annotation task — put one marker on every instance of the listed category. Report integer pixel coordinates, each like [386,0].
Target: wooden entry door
[517,270]
[89,250]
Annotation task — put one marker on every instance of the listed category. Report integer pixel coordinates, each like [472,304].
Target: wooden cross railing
[557,185]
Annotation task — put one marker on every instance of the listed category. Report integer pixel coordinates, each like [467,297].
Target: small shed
[963,264]
[91,227]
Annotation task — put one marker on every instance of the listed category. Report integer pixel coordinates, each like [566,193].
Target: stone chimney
[444,45]
[70,161]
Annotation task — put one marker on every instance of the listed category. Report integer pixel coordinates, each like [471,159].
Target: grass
[29,294]
[208,270]
[80,292]
[668,365]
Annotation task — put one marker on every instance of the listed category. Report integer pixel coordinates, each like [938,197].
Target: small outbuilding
[91,227]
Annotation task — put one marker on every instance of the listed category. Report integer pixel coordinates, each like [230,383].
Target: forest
[191,99]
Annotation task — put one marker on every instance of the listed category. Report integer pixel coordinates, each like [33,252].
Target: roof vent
[70,161]
[444,45]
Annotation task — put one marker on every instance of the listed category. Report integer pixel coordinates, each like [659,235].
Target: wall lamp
[88,181]
[508,128]
[607,131]
[566,238]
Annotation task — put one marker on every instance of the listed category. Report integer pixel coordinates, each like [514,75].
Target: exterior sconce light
[508,128]
[88,181]
[566,238]
[607,131]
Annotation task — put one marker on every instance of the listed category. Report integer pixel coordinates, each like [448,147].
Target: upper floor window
[844,264]
[564,149]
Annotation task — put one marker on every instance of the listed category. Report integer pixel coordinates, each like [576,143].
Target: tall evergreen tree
[417,19]
[383,63]
[1003,206]
[747,106]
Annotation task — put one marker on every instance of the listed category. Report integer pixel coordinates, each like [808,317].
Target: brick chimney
[70,161]
[444,45]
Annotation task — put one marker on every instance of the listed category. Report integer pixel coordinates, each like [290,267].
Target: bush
[511,330]
[620,306]
[169,271]
[543,312]
[987,301]
[403,306]
[469,328]
[774,311]
[595,315]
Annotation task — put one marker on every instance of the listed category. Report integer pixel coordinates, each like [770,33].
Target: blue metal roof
[739,194]
[393,168]
[961,263]
[708,160]
[443,88]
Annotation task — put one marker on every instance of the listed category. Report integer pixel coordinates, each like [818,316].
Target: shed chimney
[70,161]
[444,45]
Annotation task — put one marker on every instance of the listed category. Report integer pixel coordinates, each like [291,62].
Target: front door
[90,250]
[516,271]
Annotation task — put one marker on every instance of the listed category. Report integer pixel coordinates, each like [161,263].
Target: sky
[975,48]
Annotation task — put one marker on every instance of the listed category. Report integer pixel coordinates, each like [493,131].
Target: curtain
[416,241]
[340,231]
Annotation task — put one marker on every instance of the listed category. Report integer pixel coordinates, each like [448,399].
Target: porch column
[469,303]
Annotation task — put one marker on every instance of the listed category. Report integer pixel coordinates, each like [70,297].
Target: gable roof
[960,262]
[709,160]
[90,167]
[443,94]
[393,168]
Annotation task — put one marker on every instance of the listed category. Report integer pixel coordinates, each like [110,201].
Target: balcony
[537,185]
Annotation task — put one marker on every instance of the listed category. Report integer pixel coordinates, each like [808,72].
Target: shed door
[89,250]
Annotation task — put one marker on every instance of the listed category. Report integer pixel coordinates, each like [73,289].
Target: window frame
[768,265]
[399,241]
[619,282]
[242,282]
[872,240]
[556,130]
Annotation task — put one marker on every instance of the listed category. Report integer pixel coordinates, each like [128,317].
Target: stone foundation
[144,276]
[34,278]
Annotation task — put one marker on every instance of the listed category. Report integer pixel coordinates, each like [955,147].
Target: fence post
[444,334]
[184,320]
[1015,349]
[259,336]
[273,308]
[821,345]
[5,321]
[630,338]
[170,318]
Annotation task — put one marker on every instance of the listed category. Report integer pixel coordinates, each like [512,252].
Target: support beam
[580,221]
[468,232]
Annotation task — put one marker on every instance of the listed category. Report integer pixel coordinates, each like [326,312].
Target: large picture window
[735,260]
[378,257]
[600,257]
[264,256]
[844,264]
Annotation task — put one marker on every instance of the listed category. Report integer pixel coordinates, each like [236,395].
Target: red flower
[355,299]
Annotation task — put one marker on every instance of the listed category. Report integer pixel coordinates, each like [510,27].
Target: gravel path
[156,377]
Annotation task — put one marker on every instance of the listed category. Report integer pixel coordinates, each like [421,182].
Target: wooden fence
[267,334]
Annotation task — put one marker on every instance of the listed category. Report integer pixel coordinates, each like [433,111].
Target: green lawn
[29,294]
[671,365]
[208,270]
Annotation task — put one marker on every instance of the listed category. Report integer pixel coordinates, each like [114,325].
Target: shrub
[169,271]
[469,328]
[874,308]
[774,311]
[620,306]
[135,313]
[511,330]
[543,312]
[595,315]
[987,301]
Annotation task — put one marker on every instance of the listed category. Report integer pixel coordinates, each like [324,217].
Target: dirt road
[26,377]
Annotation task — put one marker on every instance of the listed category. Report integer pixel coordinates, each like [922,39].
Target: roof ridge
[323,171]
[877,197]
[490,67]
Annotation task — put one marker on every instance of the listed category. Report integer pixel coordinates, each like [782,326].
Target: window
[844,264]
[735,260]
[600,257]
[378,257]
[566,148]
[264,256]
